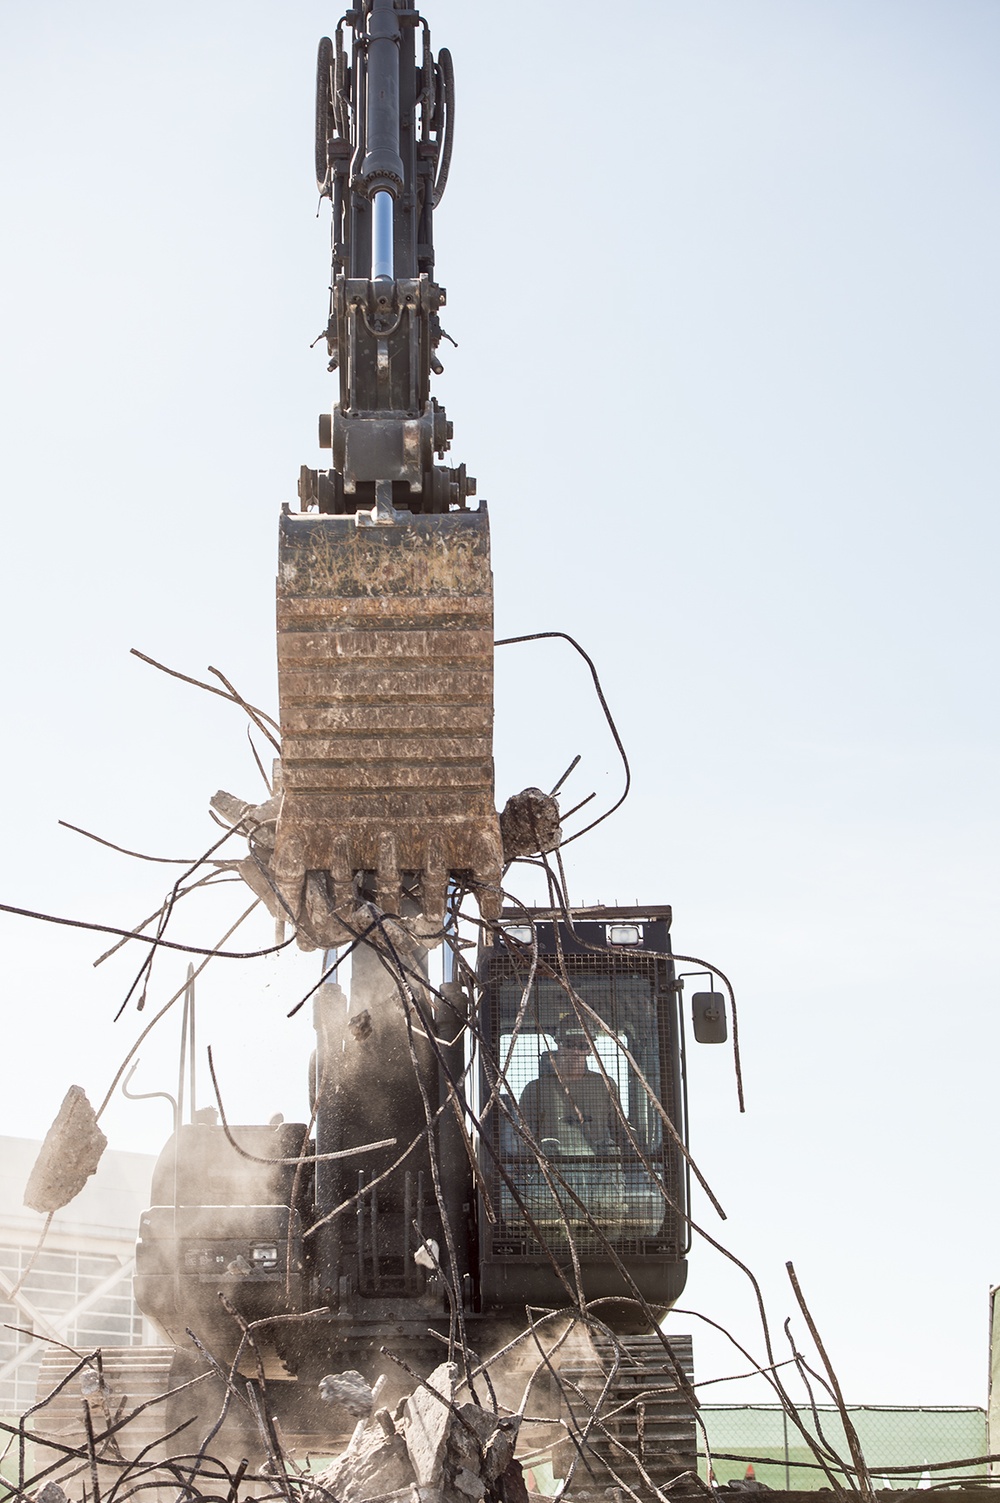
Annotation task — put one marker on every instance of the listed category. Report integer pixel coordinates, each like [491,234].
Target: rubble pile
[429,1449]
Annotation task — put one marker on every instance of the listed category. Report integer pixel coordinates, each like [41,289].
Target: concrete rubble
[529,823]
[50,1493]
[430,1449]
[350,1391]
[68,1157]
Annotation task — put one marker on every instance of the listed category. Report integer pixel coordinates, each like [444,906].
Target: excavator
[505,1144]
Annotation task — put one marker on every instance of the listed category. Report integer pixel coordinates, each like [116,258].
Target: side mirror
[708,1014]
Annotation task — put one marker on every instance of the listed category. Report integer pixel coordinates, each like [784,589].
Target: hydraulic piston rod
[382,226]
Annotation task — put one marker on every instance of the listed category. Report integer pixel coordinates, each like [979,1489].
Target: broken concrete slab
[430,1450]
[428,1421]
[484,1441]
[374,1464]
[513,1488]
[498,1453]
[470,1485]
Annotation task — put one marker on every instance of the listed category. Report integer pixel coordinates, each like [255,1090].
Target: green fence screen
[914,1439]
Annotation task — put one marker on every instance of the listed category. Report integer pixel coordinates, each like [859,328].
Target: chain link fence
[900,1445]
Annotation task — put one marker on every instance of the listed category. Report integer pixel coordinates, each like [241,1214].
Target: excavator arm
[385,595]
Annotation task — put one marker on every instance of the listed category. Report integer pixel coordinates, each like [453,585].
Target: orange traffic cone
[749,1475]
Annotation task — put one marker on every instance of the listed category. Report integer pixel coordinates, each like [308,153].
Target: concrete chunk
[469,1485]
[430,1450]
[69,1156]
[350,1390]
[51,1493]
[529,823]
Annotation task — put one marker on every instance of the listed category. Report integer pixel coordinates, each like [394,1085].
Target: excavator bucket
[385,682]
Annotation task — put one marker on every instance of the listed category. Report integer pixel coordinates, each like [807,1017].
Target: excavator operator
[573,1112]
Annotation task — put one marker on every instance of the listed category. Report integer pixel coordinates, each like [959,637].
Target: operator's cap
[569,1035]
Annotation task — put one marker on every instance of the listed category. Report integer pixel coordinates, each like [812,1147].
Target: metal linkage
[384,131]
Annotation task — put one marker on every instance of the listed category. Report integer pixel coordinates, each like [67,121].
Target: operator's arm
[616,1129]
[531,1107]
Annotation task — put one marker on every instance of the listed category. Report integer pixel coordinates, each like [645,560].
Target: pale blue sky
[723,275]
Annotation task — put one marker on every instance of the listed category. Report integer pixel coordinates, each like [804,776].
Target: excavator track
[385,677]
[642,1424]
[132,1377]
[168,1419]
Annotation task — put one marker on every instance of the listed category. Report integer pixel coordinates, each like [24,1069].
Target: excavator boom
[385,596]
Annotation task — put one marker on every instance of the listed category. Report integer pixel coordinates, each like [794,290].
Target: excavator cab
[583,1110]
[559,1070]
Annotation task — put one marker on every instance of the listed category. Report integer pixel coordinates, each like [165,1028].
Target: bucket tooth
[262,883]
[289,867]
[486,873]
[389,888]
[342,880]
[318,917]
[434,886]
